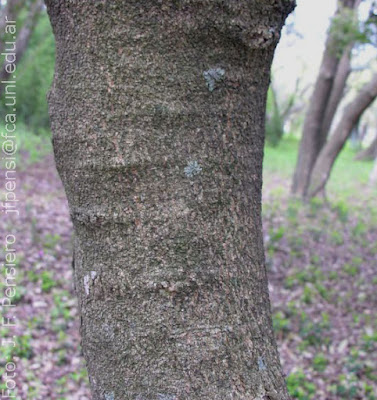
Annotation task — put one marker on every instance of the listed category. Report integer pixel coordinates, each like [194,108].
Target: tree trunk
[320,109]
[9,12]
[331,150]
[157,111]
[337,92]
[369,153]
[23,38]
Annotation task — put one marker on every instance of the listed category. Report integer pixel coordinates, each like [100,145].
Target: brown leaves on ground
[321,261]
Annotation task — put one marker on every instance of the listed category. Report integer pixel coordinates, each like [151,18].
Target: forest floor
[321,260]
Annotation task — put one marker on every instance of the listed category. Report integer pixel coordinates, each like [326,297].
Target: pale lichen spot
[193,168]
[261,364]
[161,396]
[86,284]
[213,76]
[107,332]
[109,396]
[87,279]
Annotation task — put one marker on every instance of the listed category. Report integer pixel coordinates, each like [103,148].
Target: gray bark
[157,111]
[322,107]
[352,113]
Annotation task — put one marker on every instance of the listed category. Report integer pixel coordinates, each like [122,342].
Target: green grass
[31,147]
[281,160]
[348,179]
[348,174]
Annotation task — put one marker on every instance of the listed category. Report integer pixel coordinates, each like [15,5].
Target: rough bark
[352,113]
[157,111]
[368,154]
[23,38]
[320,109]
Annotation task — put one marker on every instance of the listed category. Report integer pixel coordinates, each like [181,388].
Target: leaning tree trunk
[329,153]
[157,111]
[314,134]
[22,39]
[337,92]
[8,13]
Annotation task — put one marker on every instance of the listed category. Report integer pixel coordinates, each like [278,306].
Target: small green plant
[359,229]
[62,357]
[350,269]
[315,206]
[50,241]
[347,387]
[323,291]
[297,245]
[354,363]
[357,261]
[320,362]
[313,333]
[293,211]
[307,296]
[336,238]
[369,340]
[60,313]
[18,292]
[47,281]
[276,235]
[333,275]
[310,274]
[299,387]
[62,336]
[22,348]
[342,211]
[62,385]
[81,375]
[281,323]
[32,276]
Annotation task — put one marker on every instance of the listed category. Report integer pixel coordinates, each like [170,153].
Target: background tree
[274,118]
[14,9]
[10,9]
[352,113]
[157,112]
[35,73]
[35,62]
[324,100]
[280,112]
